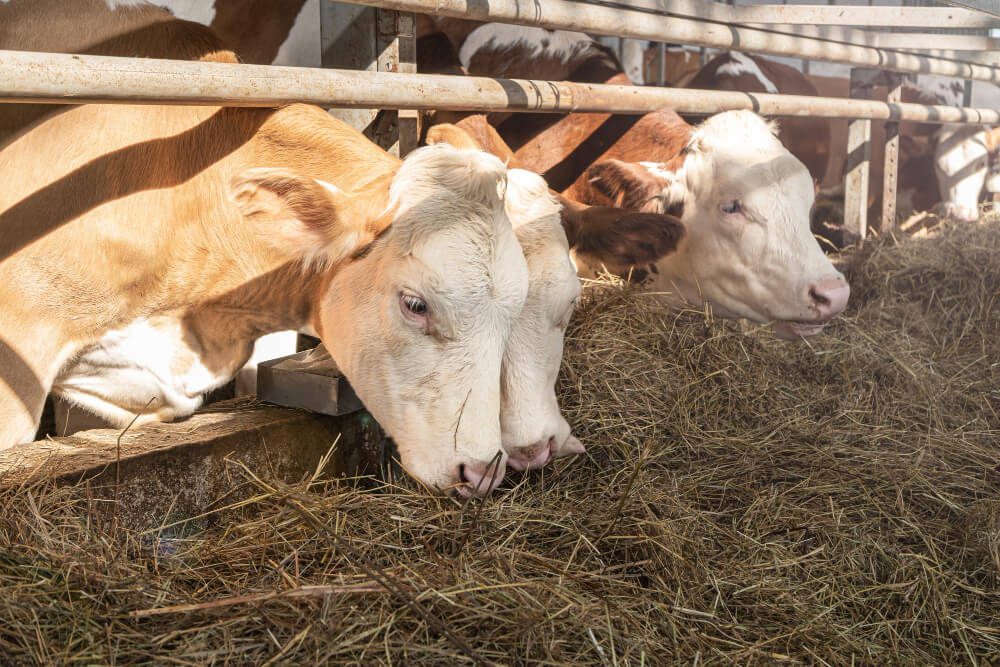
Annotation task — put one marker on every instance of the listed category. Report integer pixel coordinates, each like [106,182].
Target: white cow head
[744,201]
[532,425]
[961,160]
[547,225]
[418,320]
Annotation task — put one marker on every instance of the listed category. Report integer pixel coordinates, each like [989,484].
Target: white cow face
[534,429]
[532,426]
[961,160]
[744,201]
[418,321]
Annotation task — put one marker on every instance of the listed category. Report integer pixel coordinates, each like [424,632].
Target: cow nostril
[818,297]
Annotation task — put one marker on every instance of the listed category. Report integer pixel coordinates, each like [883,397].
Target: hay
[742,499]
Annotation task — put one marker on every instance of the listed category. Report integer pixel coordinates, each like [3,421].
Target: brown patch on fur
[620,239]
[630,185]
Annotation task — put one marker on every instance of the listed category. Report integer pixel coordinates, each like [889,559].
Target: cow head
[418,316]
[744,201]
[961,160]
[547,225]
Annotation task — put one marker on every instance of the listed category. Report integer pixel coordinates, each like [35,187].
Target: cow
[548,226]
[144,248]
[938,164]
[743,199]
[532,426]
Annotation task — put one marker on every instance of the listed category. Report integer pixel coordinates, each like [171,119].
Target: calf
[143,249]
[743,198]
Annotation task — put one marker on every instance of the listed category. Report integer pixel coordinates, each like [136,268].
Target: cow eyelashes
[731,208]
[415,304]
[413,307]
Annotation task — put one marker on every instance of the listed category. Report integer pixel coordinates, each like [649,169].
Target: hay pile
[742,498]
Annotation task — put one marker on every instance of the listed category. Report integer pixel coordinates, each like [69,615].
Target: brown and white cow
[743,198]
[144,248]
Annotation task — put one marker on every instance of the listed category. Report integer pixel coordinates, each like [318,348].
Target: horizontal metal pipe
[620,22]
[57,78]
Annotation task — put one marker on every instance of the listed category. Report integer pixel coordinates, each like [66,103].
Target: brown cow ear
[617,238]
[626,184]
[305,217]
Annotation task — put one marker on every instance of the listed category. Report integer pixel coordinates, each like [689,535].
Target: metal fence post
[890,170]
[858,165]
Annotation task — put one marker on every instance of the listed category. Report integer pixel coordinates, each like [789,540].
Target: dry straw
[742,499]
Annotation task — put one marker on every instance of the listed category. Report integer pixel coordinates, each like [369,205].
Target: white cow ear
[302,216]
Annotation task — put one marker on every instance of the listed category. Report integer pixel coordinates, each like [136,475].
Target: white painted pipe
[620,22]
[74,79]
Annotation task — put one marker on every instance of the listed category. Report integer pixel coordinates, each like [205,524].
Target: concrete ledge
[182,467]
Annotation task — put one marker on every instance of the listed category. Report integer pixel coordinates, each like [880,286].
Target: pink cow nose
[533,456]
[829,297]
[480,478]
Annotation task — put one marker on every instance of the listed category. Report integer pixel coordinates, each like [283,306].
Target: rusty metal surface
[71,79]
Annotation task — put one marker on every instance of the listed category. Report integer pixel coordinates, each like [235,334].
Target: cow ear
[305,217]
[626,184]
[617,238]
[446,133]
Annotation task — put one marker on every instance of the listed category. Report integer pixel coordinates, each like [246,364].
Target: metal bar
[904,41]
[347,34]
[661,64]
[408,119]
[622,22]
[890,171]
[990,7]
[858,166]
[58,78]
[870,17]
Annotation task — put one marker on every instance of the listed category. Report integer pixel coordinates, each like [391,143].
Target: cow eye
[731,208]
[413,305]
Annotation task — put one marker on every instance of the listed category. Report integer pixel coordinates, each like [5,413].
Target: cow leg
[29,361]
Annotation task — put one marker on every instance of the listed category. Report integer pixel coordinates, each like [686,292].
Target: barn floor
[742,498]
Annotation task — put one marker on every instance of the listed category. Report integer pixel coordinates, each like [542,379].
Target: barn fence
[776,30]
